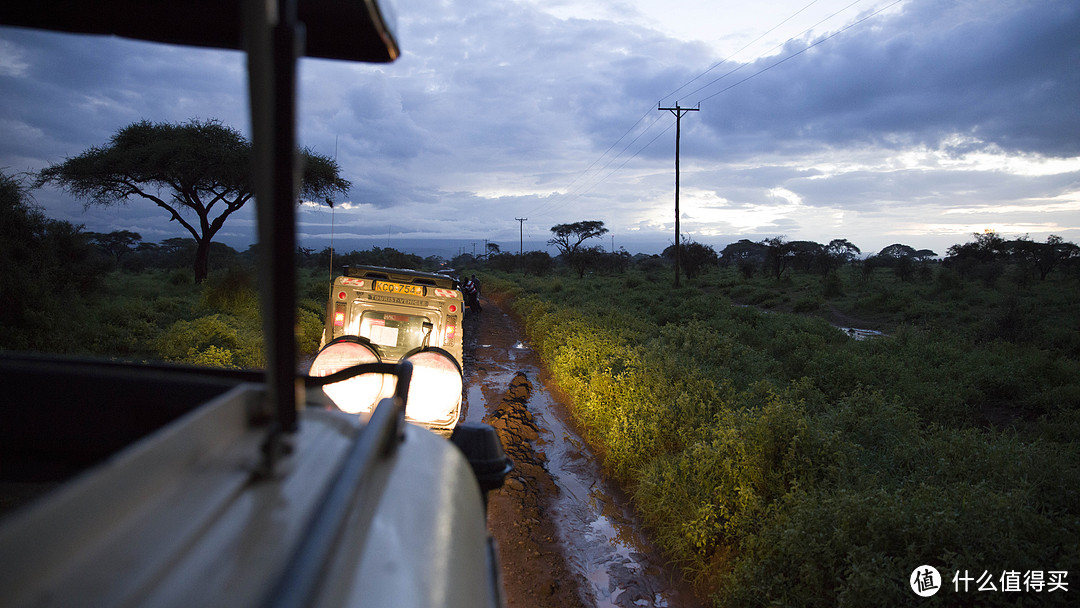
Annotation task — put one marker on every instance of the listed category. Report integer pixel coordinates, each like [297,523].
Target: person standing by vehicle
[472,293]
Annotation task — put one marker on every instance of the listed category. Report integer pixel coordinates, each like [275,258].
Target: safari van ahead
[383,315]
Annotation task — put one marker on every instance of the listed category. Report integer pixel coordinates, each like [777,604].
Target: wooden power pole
[521,234]
[678,111]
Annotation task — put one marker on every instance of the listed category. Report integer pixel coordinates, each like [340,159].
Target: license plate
[412,290]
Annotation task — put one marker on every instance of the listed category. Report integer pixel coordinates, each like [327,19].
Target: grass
[779,462]
[162,315]
[775,460]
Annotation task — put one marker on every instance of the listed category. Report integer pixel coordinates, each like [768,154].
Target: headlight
[435,390]
[359,394]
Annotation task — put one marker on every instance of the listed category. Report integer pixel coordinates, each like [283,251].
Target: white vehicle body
[142,485]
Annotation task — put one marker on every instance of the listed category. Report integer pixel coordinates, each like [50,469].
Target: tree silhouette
[695,256]
[117,243]
[778,255]
[1045,256]
[569,237]
[199,168]
[39,255]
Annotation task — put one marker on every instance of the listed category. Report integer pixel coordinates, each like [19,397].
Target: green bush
[233,292]
[808,303]
[219,340]
[779,462]
[309,329]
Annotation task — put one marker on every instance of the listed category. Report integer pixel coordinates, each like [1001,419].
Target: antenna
[331,203]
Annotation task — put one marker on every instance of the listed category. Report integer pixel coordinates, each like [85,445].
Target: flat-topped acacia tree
[199,172]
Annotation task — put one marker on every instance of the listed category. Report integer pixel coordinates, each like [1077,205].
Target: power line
[570,195]
[781,45]
[794,55]
[596,183]
[748,45]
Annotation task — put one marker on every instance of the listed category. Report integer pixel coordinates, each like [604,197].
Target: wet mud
[566,535]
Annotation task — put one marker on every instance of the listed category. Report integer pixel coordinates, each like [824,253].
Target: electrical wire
[571,195]
[560,204]
[736,53]
[792,56]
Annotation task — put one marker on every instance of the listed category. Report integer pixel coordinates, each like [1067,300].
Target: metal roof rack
[399,275]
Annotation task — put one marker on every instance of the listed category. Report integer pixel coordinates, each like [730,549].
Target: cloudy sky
[878,121]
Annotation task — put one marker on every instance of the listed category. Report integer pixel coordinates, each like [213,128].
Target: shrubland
[775,459]
[162,315]
[778,461]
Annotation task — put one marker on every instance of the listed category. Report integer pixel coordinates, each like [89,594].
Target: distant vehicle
[155,485]
[376,314]
[452,274]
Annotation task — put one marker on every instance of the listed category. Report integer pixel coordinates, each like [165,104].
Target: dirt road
[566,537]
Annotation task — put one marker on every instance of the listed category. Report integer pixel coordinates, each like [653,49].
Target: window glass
[395,334]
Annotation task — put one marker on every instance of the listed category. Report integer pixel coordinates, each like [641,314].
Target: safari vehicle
[377,314]
[128,485]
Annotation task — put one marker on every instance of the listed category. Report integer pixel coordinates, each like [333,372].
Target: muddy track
[566,537]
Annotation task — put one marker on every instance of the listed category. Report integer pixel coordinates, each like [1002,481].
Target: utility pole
[521,234]
[678,111]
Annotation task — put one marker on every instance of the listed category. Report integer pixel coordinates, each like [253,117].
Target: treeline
[70,291]
[986,258]
[46,264]
[125,250]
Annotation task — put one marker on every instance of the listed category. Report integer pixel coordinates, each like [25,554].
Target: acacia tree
[1045,256]
[117,243]
[569,237]
[839,252]
[199,172]
[778,255]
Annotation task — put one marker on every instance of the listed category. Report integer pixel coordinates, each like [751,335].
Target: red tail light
[339,314]
[451,331]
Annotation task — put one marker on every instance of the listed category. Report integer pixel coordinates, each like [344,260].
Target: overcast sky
[918,121]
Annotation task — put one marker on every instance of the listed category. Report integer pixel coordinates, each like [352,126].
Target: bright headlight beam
[357,395]
[435,391]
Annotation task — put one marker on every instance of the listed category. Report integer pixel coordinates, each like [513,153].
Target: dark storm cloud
[499,110]
[1003,73]
[76,91]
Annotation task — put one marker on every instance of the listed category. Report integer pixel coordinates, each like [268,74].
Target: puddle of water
[494,382]
[601,539]
[598,532]
[861,334]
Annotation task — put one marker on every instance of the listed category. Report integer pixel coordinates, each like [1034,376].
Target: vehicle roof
[401,275]
[353,30]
